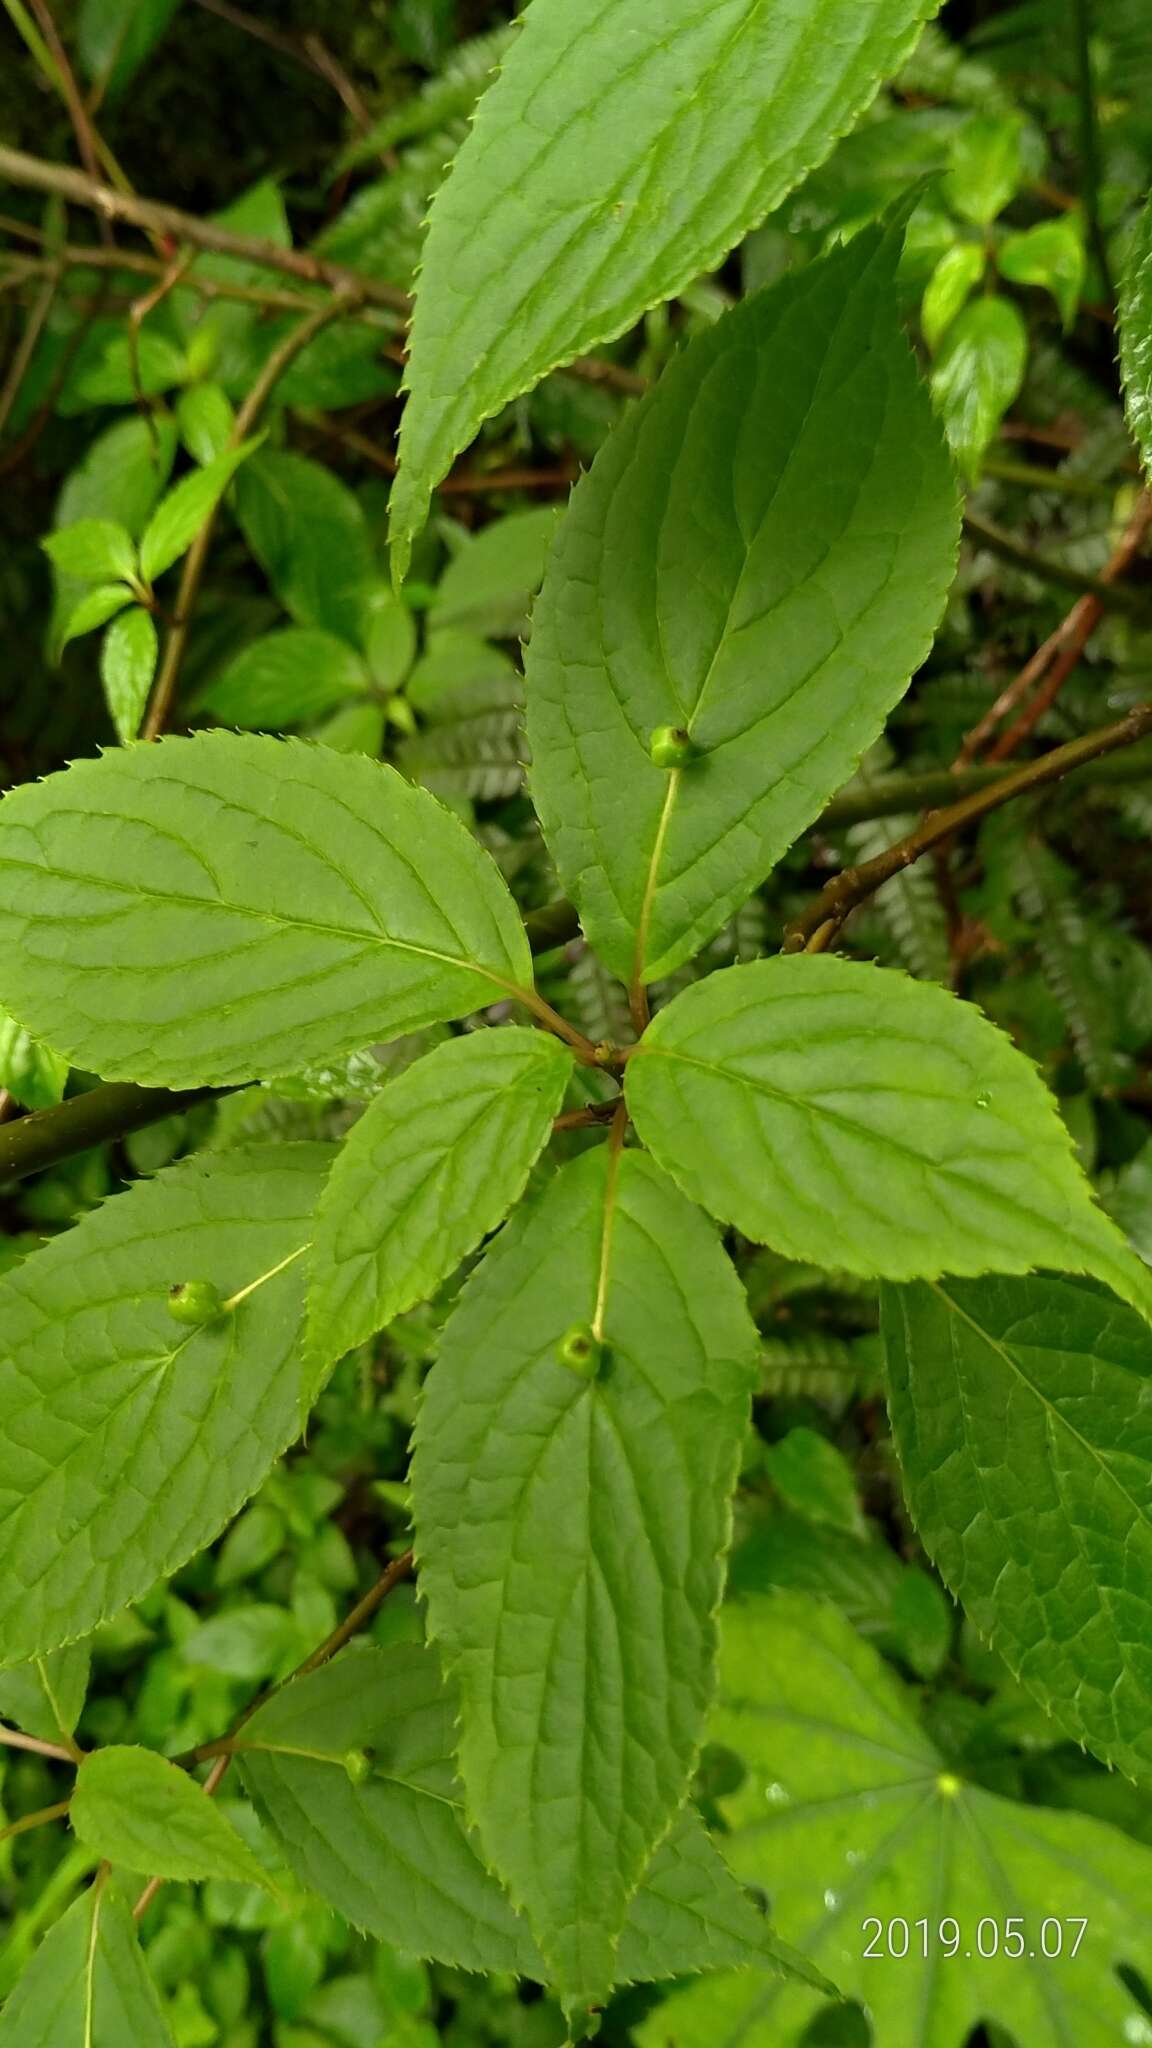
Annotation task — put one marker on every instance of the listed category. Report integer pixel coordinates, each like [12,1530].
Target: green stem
[1090,141]
[1112,596]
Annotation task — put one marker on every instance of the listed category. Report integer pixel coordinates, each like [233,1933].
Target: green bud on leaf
[196,1302]
[672,747]
[581,1352]
[358,1766]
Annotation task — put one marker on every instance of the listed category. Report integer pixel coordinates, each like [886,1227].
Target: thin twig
[13,1738]
[73,99]
[293,344]
[35,1820]
[1051,665]
[310,52]
[818,926]
[1046,570]
[1090,142]
[33,328]
[154,217]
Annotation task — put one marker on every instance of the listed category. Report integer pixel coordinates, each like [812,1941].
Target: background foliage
[327,128]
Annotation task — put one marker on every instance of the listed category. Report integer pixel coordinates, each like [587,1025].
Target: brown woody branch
[819,925]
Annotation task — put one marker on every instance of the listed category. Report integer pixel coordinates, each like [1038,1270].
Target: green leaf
[698,122]
[311,538]
[30,1072]
[1136,336]
[214,909]
[283,679]
[389,638]
[1052,255]
[578,1441]
[95,549]
[848,1816]
[978,373]
[792,451]
[121,475]
[127,666]
[178,517]
[436,1163]
[87,1985]
[987,166]
[489,586]
[143,1813]
[115,36]
[206,420]
[815,1479]
[131,1439]
[954,279]
[46,1696]
[1020,1409]
[843,1113]
[94,609]
[353,1770]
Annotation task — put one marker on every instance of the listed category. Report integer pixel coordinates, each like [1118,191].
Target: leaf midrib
[350,933]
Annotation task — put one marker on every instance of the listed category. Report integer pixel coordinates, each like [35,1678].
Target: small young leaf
[389,638]
[311,537]
[978,373]
[93,609]
[178,517]
[570,1535]
[219,908]
[844,1114]
[1050,254]
[284,679]
[953,281]
[987,166]
[87,1985]
[1136,336]
[205,417]
[1020,1410]
[143,1813]
[436,1163]
[353,1769]
[97,549]
[698,120]
[127,666]
[31,1073]
[851,1821]
[759,555]
[131,1441]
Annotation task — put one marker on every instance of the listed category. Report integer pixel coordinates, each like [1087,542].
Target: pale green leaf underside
[228,907]
[571,1536]
[130,1440]
[848,1812]
[759,555]
[435,1163]
[87,1985]
[392,1853]
[143,1813]
[1136,336]
[1023,1419]
[847,1115]
[698,115]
